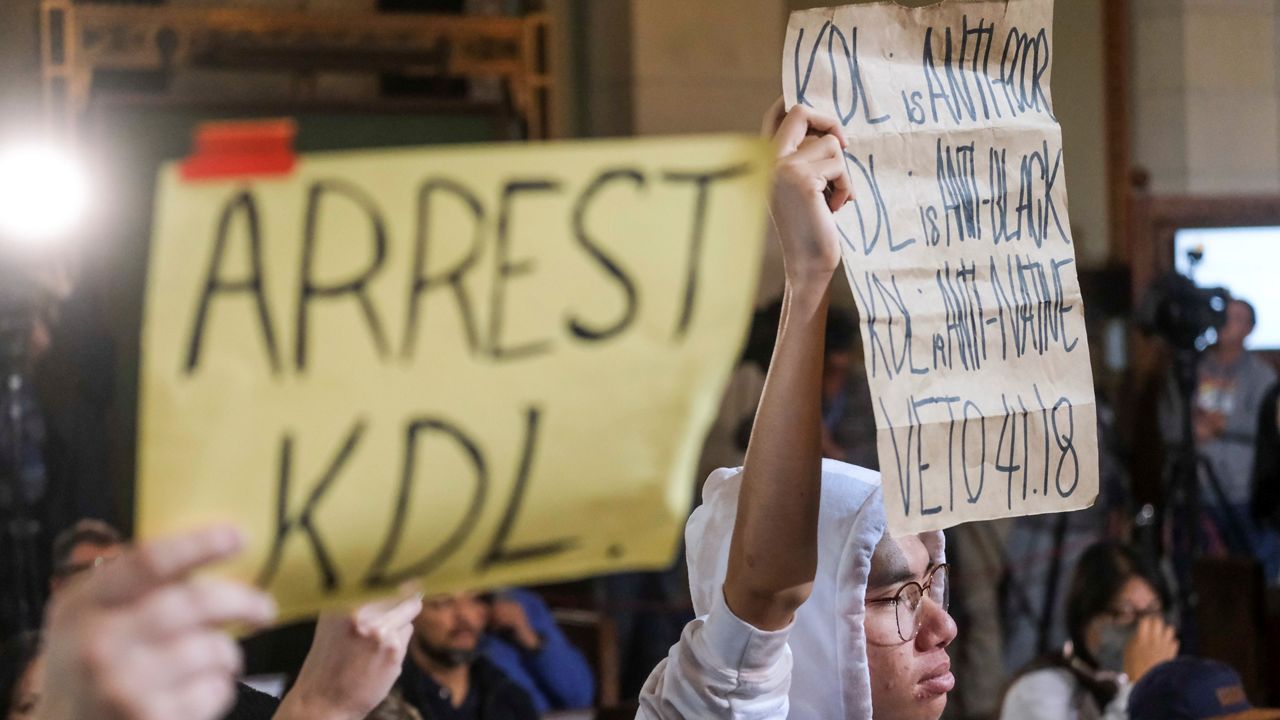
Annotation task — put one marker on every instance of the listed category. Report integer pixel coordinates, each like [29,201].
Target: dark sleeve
[519,706]
[559,668]
[252,705]
[1266,464]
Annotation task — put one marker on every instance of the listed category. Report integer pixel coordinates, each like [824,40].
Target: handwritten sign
[959,252]
[475,367]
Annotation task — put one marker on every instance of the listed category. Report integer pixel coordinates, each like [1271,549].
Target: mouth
[937,681]
[468,636]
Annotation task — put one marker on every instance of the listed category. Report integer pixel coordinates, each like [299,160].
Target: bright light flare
[44,194]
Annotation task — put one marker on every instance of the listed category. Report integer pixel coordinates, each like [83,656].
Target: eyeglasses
[909,601]
[1131,615]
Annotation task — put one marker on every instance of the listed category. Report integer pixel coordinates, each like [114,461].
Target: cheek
[890,674]
[1092,635]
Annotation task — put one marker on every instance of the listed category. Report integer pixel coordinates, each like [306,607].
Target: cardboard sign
[959,252]
[476,367]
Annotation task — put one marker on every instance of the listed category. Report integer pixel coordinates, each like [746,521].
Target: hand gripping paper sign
[959,252]
[473,367]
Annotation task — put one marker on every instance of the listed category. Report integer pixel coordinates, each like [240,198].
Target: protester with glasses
[806,607]
[908,602]
[1116,623]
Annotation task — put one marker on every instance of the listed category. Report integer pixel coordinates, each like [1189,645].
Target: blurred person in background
[1191,688]
[1117,632]
[525,643]
[1231,387]
[848,419]
[1041,553]
[446,678]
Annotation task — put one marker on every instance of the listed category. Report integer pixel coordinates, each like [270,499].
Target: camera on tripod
[1182,313]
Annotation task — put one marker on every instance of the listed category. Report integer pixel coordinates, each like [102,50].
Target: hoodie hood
[830,678]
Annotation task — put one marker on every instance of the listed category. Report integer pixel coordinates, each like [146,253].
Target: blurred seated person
[83,546]
[1191,688]
[446,678]
[141,637]
[1117,631]
[848,418]
[525,643]
[1229,393]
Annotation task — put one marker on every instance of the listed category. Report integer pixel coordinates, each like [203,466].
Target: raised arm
[773,555]
[354,659]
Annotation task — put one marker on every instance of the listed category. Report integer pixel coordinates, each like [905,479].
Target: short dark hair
[85,532]
[1101,573]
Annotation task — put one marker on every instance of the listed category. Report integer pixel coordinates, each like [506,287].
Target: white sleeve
[722,667]
[1040,695]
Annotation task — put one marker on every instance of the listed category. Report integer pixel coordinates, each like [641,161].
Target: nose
[937,629]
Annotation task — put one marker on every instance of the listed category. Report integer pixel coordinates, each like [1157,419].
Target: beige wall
[1206,95]
[19,65]
[713,65]
[1079,101]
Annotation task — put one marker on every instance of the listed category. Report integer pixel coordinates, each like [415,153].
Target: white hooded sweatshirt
[816,669]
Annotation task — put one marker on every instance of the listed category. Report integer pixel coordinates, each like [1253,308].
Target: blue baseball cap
[1190,688]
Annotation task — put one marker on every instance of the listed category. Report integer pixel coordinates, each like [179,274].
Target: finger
[799,123]
[205,697]
[401,639]
[184,658]
[1144,627]
[832,171]
[401,615]
[817,147]
[841,189]
[1155,626]
[154,563]
[201,602]
[814,177]
[393,611]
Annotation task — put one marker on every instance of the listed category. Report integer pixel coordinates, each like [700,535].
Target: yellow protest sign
[475,366]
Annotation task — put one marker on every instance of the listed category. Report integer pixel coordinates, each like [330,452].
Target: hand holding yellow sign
[478,366]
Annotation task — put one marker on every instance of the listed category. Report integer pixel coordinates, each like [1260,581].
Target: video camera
[1181,312]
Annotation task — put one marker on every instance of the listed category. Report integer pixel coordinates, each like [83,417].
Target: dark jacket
[499,698]
[1266,464]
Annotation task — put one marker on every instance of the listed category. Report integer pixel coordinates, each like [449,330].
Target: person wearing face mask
[1116,609]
